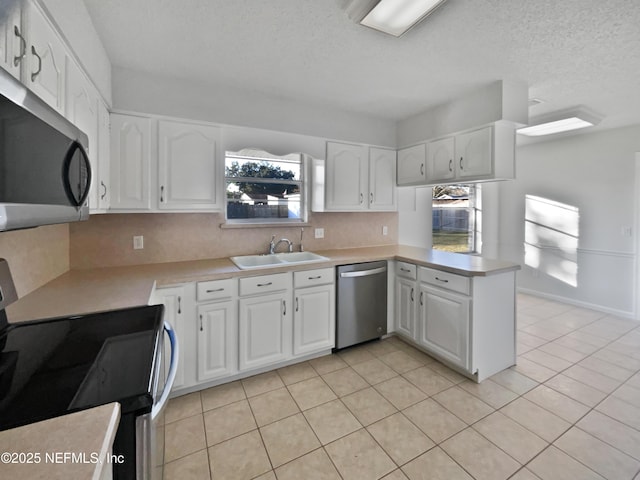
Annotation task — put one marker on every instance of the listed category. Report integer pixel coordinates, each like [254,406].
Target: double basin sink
[248,262]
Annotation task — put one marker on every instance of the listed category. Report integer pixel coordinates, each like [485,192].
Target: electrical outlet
[626,231]
[138,242]
[385,230]
[319,233]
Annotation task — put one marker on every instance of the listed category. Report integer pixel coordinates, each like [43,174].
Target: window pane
[454,218]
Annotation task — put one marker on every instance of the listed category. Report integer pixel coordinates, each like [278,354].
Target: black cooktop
[56,366]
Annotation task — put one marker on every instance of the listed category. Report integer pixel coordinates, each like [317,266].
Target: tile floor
[569,410]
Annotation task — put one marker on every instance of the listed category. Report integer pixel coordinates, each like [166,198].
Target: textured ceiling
[570,52]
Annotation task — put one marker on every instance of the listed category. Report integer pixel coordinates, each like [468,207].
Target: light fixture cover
[562,121]
[395,17]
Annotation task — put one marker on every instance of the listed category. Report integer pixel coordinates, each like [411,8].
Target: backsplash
[35,255]
[107,240]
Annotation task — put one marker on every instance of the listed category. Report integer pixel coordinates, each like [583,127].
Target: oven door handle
[173,369]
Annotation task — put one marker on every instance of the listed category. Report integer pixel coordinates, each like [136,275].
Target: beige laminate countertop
[92,290]
[71,446]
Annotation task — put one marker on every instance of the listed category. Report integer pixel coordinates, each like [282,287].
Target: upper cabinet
[187,166]
[43,69]
[411,165]
[482,154]
[358,178]
[130,162]
[164,165]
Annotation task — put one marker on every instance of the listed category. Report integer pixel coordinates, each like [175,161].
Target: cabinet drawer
[406,270]
[265,284]
[450,281]
[216,289]
[309,278]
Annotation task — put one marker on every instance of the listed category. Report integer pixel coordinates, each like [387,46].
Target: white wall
[73,20]
[592,264]
[136,91]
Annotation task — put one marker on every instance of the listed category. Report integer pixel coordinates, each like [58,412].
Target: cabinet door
[217,340]
[187,166]
[474,153]
[444,324]
[382,179]
[440,164]
[11,45]
[173,299]
[44,72]
[347,177]
[314,319]
[104,157]
[411,165]
[264,330]
[130,162]
[82,110]
[405,307]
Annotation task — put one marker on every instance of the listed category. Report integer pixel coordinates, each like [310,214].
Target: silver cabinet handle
[284,307]
[201,329]
[402,269]
[461,167]
[422,169]
[421,295]
[23,46]
[317,277]
[216,290]
[451,164]
[179,305]
[264,284]
[371,194]
[37,72]
[161,193]
[297,304]
[105,190]
[412,294]
[361,198]
[443,280]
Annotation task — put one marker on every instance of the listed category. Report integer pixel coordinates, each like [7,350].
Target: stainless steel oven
[57,366]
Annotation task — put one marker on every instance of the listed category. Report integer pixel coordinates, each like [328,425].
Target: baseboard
[578,303]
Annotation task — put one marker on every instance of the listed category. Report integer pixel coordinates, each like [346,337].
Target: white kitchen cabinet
[188,166]
[82,110]
[347,177]
[314,311]
[44,69]
[217,340]
[441,167]
[412,165]
[445,324]
[12,45]
[130,162]
[382,179]
[179,304]
[405,296]
[104,157]
[474,153]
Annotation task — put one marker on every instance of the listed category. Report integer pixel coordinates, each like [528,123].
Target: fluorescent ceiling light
[558,122]
[395,17]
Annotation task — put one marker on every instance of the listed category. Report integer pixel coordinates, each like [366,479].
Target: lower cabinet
[265,328]
[405,307]
[314,319]
[217,340]
[444,324]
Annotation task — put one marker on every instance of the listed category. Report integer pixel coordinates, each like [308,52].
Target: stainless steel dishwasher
[361,303]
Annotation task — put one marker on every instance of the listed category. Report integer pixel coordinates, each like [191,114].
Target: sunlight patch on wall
[551,238]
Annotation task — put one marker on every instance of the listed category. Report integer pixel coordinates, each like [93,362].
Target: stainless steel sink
[249,262]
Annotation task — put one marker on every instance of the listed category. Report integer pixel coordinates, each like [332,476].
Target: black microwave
[45,174]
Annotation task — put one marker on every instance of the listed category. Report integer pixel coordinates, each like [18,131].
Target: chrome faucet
[273,244]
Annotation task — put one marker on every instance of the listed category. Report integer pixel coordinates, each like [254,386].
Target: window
[263,188]
[456,218]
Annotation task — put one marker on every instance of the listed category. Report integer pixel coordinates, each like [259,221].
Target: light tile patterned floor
[569,410]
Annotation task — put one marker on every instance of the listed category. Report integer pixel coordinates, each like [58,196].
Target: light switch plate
[138,242]
[319,233]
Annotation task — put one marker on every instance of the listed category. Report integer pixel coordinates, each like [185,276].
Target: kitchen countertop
[71,446]
[92,290]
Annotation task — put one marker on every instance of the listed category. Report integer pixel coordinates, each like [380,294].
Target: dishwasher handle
[363,273]
[173,369]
